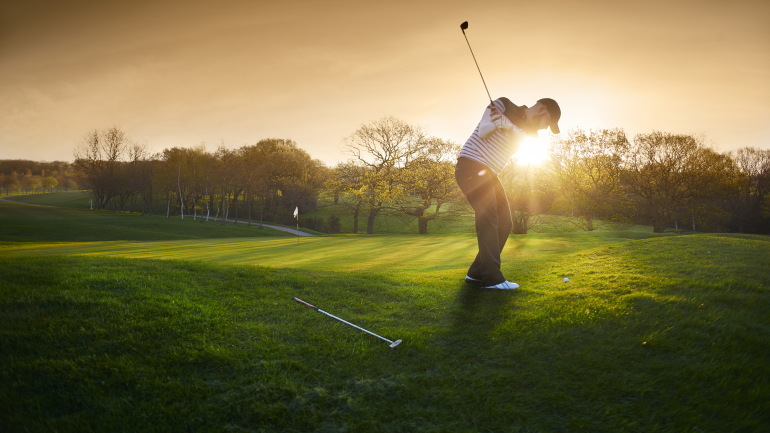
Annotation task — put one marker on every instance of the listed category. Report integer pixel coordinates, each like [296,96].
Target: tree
[30,183]
[430,183]
[387,147]
[224,178]
[587,165]
[71,184]
[12,183]
[346,184]
[98,160]
[752,191]
[530,191]
[50,182]
[197,162]
[297,176]
[665,172]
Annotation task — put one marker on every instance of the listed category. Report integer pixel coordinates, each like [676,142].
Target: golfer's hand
[501,122]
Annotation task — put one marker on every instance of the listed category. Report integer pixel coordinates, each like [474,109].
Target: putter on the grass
[464,26]
[393,344]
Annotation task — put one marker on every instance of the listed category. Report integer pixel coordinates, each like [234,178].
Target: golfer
[481,159]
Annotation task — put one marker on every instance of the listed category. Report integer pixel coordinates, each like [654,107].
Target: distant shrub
[316,224]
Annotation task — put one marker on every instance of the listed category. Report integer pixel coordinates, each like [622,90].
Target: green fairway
[70,199]
[26,223]
[348,252]
[391,224]
[652,333]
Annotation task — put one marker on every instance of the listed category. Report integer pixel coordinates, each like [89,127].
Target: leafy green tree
[530,190]
[30,183]
[12,184]
[346,185]
[587,165]
[429,182]
[49,182]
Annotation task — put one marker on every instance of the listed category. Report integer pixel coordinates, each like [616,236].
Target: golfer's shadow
[478,311]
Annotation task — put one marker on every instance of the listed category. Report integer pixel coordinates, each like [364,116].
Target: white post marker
[296,216]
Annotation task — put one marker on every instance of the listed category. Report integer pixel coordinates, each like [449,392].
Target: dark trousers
[485,193]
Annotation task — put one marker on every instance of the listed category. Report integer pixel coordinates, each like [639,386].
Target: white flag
[296,212]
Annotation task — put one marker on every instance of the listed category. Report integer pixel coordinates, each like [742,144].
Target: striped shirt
[495,139]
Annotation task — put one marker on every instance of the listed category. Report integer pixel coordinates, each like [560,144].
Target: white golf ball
[566,280]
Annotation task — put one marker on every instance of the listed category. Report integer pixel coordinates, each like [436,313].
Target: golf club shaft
[337,318]
[477,66]
[357,327]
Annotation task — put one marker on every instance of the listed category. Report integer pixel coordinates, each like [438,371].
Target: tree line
[592,180]
[24,176]
[261,181]
[668,181]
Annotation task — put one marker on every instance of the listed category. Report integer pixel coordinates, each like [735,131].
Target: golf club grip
[304,303]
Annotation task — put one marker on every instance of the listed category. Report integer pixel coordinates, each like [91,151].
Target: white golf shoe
[470,280]
[505,285]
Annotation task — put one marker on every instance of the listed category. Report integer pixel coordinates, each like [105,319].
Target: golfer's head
[546,113]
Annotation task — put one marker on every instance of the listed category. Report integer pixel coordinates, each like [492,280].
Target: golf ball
[566,280]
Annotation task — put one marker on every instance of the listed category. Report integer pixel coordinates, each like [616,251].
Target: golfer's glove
[493,120]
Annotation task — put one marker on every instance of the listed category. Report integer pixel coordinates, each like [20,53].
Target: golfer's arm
[486,126]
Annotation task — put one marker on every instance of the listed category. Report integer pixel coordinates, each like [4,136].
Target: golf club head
[464,26]
[395,344]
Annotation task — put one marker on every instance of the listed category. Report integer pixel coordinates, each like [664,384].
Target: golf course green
[119,322]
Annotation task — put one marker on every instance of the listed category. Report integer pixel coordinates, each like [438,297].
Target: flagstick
[296,216]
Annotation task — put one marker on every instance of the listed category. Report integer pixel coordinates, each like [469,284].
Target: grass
[384,224]
[344,252]
[458,223]
[80,200]
[68,199]
[653,333]
[23,223]
[390,224]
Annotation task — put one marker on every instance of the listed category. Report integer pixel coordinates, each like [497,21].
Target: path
[270,226]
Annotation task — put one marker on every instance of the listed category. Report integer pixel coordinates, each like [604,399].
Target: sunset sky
[180,73]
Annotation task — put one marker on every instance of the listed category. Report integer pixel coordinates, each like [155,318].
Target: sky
[181,73]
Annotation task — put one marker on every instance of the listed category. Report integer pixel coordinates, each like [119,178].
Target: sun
[533,150]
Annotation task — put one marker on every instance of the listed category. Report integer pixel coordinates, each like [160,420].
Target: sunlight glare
[533,150]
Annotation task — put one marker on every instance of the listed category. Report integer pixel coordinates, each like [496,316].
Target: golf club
[393,344]
[464,26]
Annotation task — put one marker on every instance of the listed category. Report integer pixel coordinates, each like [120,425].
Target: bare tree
[387,147]
[666,172]
[98,159]
[224,178]
[752,187]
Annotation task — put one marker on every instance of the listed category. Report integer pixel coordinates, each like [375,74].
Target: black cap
[554,111]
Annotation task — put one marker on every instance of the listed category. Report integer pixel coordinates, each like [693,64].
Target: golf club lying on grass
[393,344]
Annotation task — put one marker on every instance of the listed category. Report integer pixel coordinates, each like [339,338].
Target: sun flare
[533,150]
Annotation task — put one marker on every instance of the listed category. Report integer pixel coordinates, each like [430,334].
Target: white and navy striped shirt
[495,139]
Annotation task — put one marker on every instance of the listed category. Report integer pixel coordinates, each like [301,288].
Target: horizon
[176,74]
